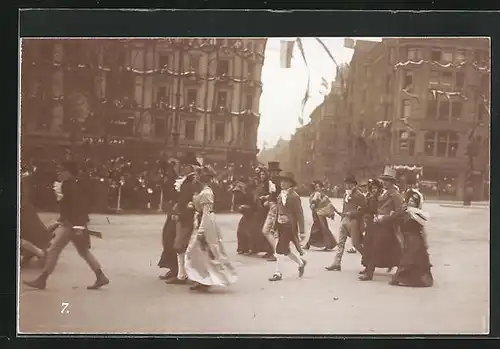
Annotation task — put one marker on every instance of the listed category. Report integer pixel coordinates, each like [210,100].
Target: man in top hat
[73,219]
[352,215]
[289,225]
[183,210]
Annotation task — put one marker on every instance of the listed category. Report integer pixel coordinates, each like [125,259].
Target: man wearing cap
[289,225]
[73,221]
[352,214]
[413,196]
[183,211]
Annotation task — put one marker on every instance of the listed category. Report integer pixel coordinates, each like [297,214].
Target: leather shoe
[302,268]
[333,268]
[276,277]
[366,277]
[100,281]
[38,283]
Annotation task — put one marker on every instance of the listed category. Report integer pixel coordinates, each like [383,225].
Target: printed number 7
[64,306]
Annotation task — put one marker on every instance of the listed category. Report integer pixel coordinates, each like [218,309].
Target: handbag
[326,208]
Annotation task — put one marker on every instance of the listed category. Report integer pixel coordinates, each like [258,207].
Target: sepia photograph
[253,185]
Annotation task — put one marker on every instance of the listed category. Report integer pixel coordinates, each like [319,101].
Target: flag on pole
[286,52]
[349,43]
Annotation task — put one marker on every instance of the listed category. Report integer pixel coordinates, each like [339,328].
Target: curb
[481,207]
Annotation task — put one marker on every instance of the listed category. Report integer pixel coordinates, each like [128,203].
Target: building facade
[406,101]
[144,97]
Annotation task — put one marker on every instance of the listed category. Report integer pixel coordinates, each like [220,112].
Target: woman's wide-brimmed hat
[389,174]
[289,176]
[350,179]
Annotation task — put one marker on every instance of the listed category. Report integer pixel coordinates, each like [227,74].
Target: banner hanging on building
[286,53]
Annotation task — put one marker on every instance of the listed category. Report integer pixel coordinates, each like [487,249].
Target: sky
[284,88]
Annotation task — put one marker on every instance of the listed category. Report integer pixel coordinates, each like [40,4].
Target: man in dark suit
[183,212]
[289,225]
[73,219]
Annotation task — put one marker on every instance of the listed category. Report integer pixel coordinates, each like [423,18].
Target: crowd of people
[385,227]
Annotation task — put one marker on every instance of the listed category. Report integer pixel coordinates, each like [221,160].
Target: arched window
[429,143]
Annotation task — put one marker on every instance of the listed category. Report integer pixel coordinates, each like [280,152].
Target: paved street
[320,303]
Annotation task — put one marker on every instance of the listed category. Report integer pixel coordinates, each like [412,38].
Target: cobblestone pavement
[319,303]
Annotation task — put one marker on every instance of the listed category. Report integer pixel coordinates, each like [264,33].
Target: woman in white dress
[207,263]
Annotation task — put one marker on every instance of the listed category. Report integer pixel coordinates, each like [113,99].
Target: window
[406,108]
[222,99]
[192,96]
[446,78]
[459,80]
[251,69]
[456,110]
[414,54]
[432,108]
[447,144]
[436,55]
[160,126]
[223,67]
[408,80]
[447,56]
[460,56]
[442,144]
[163,61]
[220,131]
[411,137]
[434,77]
[194,62]
[161,94]
[189,130]
[481,56]
[249,102]
[452,144]
[250,45]
[429,143]
[444,110]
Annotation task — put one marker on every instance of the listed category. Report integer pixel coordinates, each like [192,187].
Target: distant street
[320,303]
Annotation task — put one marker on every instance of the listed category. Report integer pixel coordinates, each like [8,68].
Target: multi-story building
[406,101]
[144,96]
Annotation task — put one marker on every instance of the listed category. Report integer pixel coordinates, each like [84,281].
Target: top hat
[289,176]
[273,166]
[389,174]
[350,179]
[190,159]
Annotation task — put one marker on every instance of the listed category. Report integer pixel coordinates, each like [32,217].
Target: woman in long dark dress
[414,269]
[381,249]
[168,257]
[321,236]
[246,224]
